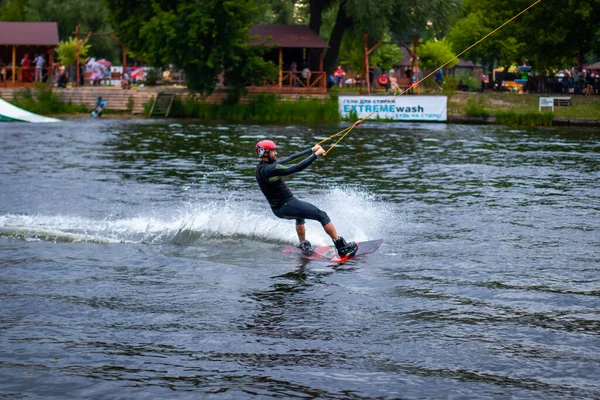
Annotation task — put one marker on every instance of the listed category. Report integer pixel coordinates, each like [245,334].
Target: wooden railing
[291,79]
[22,74]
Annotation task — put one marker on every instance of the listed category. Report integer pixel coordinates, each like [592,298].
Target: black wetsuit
[280,197]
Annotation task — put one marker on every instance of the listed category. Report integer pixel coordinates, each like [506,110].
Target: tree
[66,51]
[503,49]
[90,15]
[276,12]
[13,10]
[552,34]
[352,52]
[380,17]
[434,53]
[205,39]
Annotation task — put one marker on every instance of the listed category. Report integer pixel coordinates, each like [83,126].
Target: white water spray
[356,215]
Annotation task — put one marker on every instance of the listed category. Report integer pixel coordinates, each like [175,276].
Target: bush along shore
[44,101]
[259,108]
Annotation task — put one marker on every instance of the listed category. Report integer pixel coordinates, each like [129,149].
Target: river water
[138,259]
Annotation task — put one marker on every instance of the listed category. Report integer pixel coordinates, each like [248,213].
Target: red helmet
[264,146]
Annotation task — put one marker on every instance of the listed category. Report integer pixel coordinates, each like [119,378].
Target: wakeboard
[329,253]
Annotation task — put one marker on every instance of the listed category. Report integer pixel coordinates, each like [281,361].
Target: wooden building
[468,68]
[292,49]
[593,67]
[18,39]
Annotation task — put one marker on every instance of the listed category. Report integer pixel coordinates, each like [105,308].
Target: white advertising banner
[403,108]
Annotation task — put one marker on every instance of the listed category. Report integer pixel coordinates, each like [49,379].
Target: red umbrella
[104,62]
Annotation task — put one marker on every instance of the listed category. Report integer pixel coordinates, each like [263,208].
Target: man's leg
[301,231]
[302,210]
[330,229]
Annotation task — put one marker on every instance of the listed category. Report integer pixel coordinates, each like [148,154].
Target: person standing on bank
[269,173]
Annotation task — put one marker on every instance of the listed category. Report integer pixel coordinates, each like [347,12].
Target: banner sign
[403,108]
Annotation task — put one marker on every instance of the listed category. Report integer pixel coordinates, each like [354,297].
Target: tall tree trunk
[342,22]
[316,19]
[580,58]
[316,15]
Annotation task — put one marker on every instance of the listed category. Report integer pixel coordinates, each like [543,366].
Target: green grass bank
[44,100]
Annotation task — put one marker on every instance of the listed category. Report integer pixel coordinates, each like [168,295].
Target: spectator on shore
[306,75]
[339,75]
[63,76]
[391,72]
[40,62]
[439,77]
[166,77]
[384,82]
[394,84]
[331,81]
[25,69]
[358,80]
[125,81]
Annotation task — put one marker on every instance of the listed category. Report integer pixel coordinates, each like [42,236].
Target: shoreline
[452,119]
[491,120]
[469,108]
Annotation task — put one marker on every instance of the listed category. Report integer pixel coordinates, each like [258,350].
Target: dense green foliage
[280,12]
[261,108]
[552,34]
[512,118]
[12,10]
[434,53]
[205,39]
[43,100]
[352,55]
[476,108]
[66,51]
[501,48]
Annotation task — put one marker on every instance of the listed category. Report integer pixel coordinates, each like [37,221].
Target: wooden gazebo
[293,46]
[20,38]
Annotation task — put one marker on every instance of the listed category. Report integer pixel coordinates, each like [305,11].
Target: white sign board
[546,102]
[403,108]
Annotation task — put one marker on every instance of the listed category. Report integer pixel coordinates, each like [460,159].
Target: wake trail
[355,213]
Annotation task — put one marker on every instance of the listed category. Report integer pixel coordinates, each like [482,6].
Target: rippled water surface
[138,259]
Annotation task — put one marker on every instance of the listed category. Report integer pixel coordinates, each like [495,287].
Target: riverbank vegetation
[260,108]
[489,107]
[44,101]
